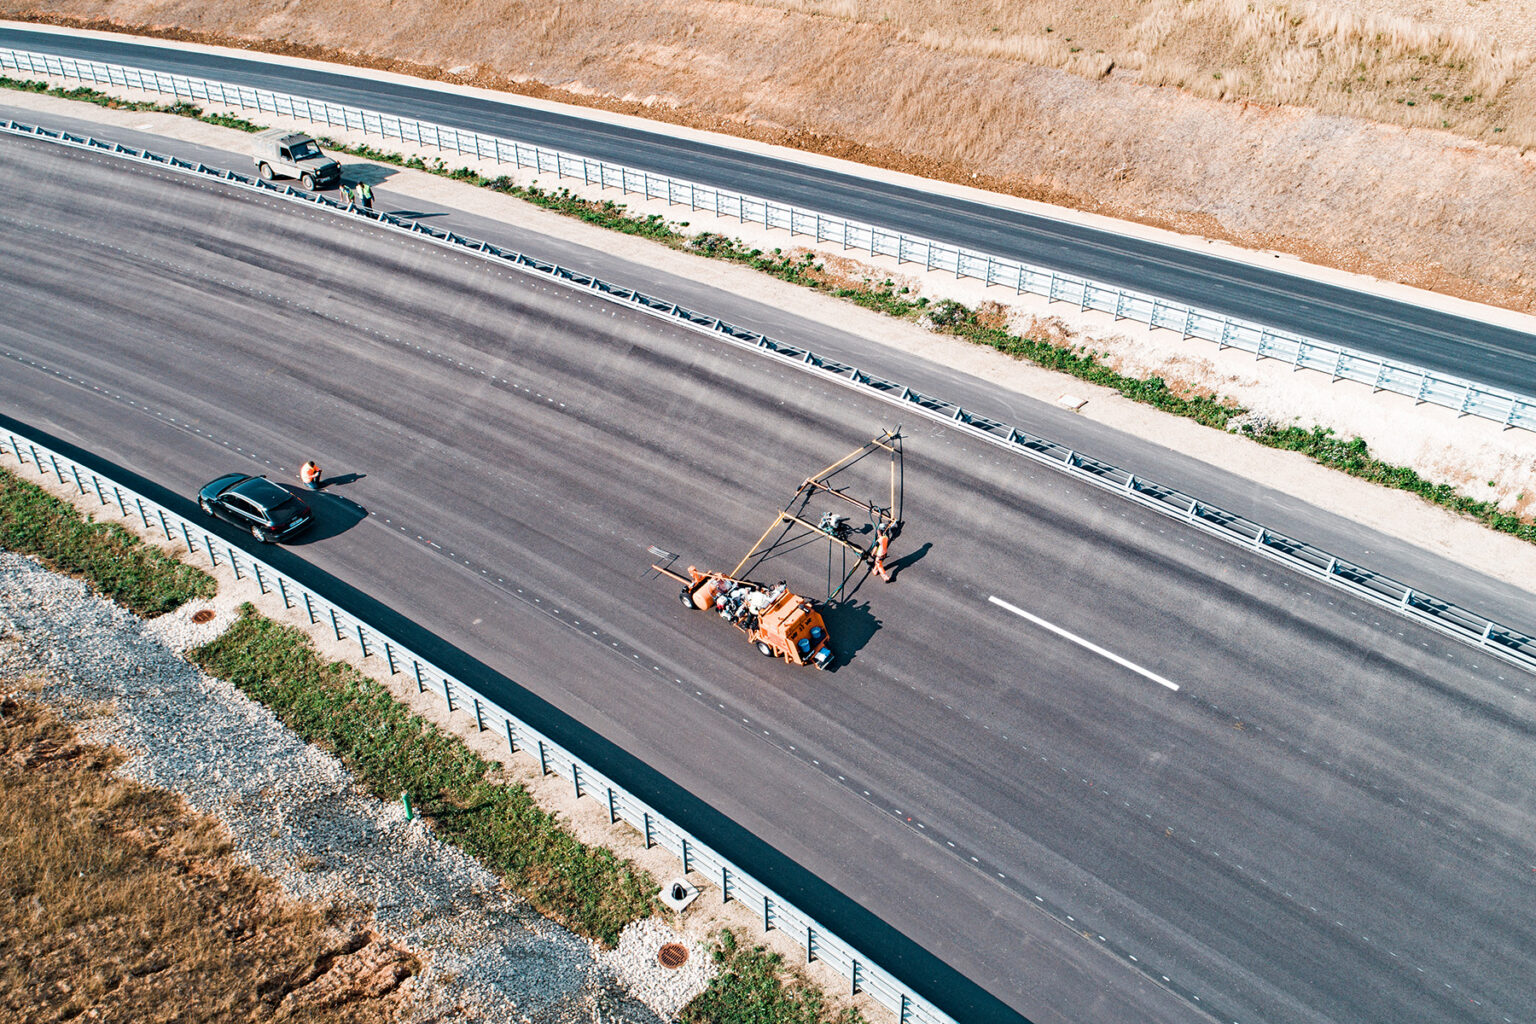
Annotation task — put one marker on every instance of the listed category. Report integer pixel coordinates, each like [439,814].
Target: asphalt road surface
[1330,820]
[1486,353]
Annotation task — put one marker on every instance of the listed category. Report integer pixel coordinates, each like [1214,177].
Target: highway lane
[1151,460]
[1333,796]
[1491,354]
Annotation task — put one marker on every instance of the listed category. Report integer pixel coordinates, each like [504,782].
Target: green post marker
[405,798]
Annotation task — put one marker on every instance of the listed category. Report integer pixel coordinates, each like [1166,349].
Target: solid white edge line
[1095,648]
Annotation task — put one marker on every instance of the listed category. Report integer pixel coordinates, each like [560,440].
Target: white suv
[280,153]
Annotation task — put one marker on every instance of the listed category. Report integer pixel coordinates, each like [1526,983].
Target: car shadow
[333,515]
[851,625]
[373,174]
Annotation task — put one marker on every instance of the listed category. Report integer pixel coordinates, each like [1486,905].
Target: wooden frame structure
[790,521]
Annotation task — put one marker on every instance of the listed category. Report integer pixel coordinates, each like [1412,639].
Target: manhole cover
[205,615]
[673,954]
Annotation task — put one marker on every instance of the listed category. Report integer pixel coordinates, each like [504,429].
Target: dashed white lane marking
[1086,644]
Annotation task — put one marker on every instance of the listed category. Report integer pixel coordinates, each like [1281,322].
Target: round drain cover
[673,954]
[202,616]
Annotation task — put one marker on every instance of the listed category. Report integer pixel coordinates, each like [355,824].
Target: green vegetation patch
[85,94]
[1354,457]
[391,750]
[115,562]
[754,987]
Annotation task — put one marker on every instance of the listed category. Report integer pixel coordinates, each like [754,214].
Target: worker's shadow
[851,625]
[333,515]
[899,565]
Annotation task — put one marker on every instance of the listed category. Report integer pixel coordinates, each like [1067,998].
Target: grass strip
[392,750]
[113,560]
[979,326]
[754,986]
[85,94]
[1354,457]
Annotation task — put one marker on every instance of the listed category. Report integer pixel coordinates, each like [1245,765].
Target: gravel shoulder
[295,816]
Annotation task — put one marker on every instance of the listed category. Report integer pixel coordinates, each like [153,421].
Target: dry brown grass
[123,906]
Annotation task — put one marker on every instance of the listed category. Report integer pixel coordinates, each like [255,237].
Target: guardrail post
[282,591]
[234,564]
[810,942]
[767,914]
[645,820]
[511,737]
[544,770]
[685,855]
[480,718]
[421,684]
[165,525]
[576,777]
[389,654]
[448,694]
[725,884]
[74,471]
[906,1007]
[96,483]
[853,976]
[362,641]
[261,584]
[335,623]
[613,813]
[309,607]
[117,492]
[60,474]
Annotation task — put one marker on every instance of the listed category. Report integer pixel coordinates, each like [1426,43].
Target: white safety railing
[1501,641]
[776,913]
[1465,396]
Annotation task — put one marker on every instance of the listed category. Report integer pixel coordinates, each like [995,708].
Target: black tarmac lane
[1489,354]
[1330,820]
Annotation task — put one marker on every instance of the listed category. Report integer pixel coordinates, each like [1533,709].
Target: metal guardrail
[735,884]
[1510,644]
[1422,385]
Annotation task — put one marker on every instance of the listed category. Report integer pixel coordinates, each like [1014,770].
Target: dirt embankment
[123,905]
[1352,139]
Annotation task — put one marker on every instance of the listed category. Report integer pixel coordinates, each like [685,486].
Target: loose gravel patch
[297,816]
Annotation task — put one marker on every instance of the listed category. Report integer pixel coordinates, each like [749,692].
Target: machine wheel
[686,597]
[307,181]
[202,503]
[256,532]
[264,171]
[764,649]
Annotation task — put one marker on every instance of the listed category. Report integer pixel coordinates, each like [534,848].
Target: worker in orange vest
[309,473]
[882,545]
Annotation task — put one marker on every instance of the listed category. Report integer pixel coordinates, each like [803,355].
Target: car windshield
[305,150]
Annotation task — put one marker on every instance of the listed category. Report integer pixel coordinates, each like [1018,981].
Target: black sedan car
[254,503]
